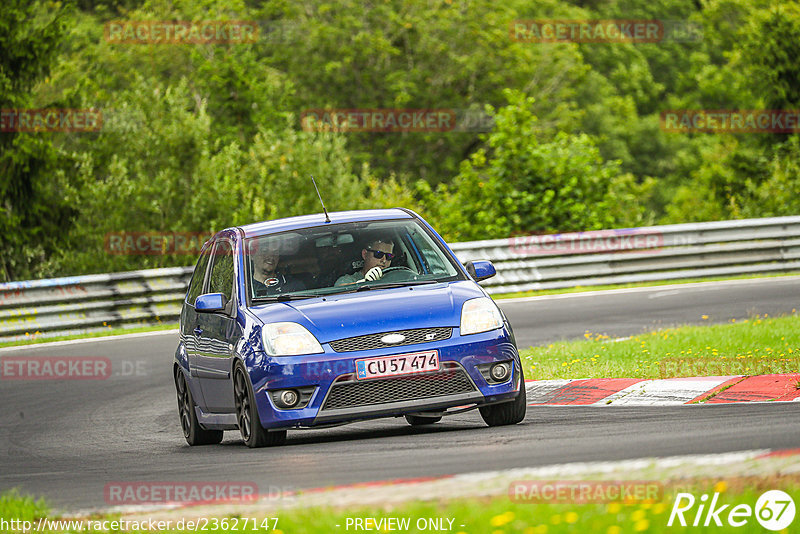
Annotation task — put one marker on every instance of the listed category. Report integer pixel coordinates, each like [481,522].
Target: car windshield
[344,257]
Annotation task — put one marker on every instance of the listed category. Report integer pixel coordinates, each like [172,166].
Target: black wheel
[253,434]
[507,413]
[192,431]
[419,420]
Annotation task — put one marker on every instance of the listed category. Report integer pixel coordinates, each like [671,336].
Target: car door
[218,333]
[190,319]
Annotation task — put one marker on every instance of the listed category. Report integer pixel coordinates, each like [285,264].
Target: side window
[432,258]
[221,279]
[196,284]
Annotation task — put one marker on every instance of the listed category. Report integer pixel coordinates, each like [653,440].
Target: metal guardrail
[94,303]
[673,252]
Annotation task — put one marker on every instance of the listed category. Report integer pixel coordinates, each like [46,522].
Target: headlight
[480,315]
[289,339]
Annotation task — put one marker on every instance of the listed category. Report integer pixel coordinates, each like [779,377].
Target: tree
[522,185]
[33,213]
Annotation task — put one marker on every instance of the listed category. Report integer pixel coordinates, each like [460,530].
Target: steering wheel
[399,270]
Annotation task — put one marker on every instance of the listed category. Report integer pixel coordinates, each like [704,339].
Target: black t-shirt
[276,285]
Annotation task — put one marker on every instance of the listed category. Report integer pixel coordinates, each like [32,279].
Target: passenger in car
[266,278]
[377,255]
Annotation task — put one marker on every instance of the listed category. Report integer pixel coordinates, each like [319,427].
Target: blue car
[322,320]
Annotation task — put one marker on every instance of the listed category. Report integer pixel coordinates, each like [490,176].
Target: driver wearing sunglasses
[377,256]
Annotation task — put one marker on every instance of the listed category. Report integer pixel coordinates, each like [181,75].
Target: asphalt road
[625,312]
[66,440]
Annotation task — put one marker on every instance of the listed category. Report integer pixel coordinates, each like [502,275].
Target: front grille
[350,393]
[373,341]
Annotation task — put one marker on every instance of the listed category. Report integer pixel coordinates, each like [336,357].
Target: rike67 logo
[774,510]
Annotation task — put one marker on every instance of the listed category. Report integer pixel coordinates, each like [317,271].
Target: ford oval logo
[393,339]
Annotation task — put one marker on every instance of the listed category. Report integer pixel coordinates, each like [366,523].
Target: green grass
[760,345]
[495,515]
[34,339]
[583,289]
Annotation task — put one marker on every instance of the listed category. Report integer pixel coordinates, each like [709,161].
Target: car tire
[192,431]
[419,420]
[253,434]
[507,413]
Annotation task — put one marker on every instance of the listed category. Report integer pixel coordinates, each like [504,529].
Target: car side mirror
[210,302]
[480,269]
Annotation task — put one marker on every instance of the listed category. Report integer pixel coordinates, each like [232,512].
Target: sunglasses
[378,254]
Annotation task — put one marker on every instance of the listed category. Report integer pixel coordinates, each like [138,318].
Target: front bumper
[459,382]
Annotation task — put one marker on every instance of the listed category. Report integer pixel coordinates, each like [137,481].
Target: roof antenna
[327,219]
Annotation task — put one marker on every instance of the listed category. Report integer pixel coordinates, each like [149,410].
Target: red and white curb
[669,391]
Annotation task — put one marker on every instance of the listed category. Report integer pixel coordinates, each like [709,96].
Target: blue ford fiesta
[322,320]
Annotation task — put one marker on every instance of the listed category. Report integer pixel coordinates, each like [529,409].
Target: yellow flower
[659,508]
[642,525]
[571,517]
[720,486]
[613,529]
[614,507]
[638,515]
[502,519]
[704,317]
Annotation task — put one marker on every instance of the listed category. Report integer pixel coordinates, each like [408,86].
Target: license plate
[399,364]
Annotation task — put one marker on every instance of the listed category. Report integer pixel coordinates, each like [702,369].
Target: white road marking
[645,289]
[90,340]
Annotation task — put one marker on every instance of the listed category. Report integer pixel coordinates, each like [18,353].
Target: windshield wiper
[368,287]
[399,284]
[284,298]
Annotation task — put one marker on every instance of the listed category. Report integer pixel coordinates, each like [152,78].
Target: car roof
[318,219]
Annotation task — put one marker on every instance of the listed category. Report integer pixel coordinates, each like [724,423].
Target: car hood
[379,310]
